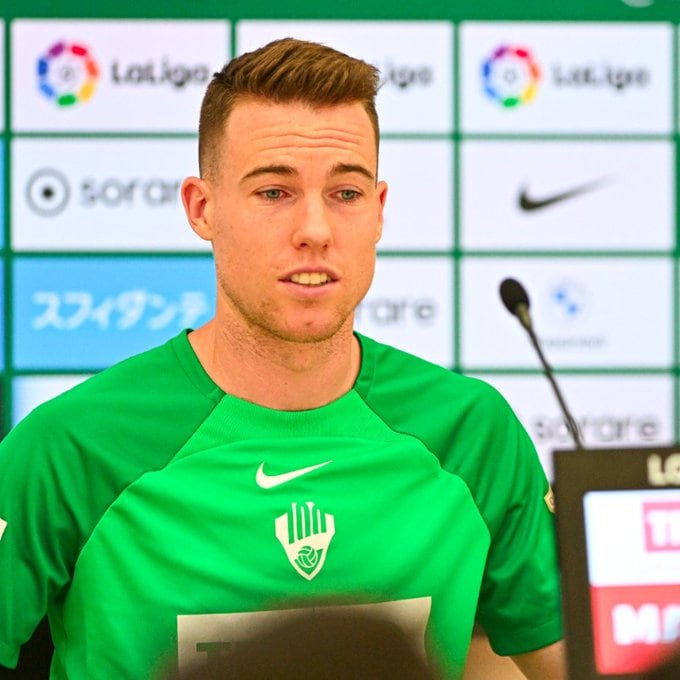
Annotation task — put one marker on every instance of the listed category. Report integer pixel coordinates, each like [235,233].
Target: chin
[307,337]
[314,333]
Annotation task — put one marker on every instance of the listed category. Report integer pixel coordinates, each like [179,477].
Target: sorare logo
[67,73]
[510,76]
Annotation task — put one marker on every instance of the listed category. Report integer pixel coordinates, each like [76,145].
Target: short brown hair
[284,71]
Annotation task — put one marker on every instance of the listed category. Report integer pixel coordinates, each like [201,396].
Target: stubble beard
[267,322]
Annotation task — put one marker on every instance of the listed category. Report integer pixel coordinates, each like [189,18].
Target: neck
[276,373]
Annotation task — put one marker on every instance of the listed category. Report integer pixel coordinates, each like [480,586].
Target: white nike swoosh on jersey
[3,524]
[266,481]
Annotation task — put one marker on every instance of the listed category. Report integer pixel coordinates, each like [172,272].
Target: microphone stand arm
[569,421]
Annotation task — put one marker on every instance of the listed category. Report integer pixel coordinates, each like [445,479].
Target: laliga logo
[510,76]
[67,74]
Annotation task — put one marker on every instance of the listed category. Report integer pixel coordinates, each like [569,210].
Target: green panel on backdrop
[597,10]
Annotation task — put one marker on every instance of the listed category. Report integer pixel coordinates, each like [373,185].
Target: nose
[313,227]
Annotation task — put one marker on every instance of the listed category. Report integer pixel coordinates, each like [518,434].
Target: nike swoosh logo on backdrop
[266,481]
[529,203]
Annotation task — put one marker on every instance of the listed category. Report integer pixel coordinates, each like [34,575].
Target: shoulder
[156,376]
[152,400]
[75,453]
[465,422]
[390,375]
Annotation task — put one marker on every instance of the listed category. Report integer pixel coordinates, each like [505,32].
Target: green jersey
[157,519]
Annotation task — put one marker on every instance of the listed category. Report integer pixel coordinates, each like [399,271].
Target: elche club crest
[305,534]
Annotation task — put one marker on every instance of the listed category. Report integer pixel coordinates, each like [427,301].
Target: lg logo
[664,471]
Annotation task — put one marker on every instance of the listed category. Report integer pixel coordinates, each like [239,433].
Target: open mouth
[311,278]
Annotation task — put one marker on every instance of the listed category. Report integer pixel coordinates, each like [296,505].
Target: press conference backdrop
[520,140]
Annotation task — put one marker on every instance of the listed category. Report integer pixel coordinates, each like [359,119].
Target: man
[273,460]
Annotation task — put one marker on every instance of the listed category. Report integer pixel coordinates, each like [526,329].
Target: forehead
[258,130]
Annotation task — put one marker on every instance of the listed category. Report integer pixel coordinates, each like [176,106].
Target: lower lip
[301,290]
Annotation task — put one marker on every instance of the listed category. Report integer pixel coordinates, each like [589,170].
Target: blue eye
[348,194]
[272,194]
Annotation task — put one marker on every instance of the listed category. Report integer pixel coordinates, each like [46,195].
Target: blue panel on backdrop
[87,313]
[2,193]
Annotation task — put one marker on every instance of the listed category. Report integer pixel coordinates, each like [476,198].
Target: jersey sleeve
[40,540]
[63,466]
[520,602]
[472,430]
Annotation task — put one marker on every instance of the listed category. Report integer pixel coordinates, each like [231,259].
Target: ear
[381,191]
[196,198]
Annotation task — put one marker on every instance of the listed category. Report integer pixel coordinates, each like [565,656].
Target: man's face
[294,215]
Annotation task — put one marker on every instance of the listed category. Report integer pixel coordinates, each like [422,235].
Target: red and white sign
[634,626]
[633,542]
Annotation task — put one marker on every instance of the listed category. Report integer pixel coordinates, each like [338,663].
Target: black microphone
[516,300]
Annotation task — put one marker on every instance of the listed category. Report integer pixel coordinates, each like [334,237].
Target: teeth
[310,278]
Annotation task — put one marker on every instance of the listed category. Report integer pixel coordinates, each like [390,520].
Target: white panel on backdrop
[568,195]
[410,305]
[31,390]
[415,59]
[611,411]
[566,77]
[111,75]
[101,194]
[419,209]
[592,313]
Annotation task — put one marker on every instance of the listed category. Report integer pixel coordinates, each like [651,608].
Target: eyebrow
[288,171]
[345,168]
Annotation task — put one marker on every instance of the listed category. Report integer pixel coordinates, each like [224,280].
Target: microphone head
[513,295]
